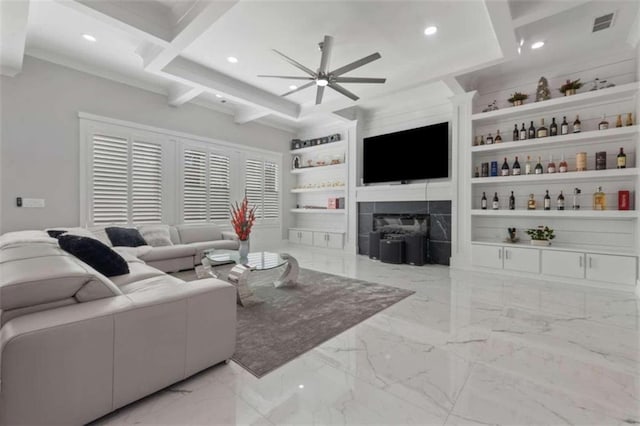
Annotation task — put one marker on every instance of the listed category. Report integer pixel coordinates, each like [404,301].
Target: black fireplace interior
[401,224]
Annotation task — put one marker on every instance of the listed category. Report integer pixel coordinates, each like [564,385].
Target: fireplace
[401,224]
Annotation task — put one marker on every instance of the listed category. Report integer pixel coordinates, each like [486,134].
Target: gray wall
[39,147]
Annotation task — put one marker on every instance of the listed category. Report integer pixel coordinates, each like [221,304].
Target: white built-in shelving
[313,169]
[324,189]
[568,214]
[318,211]
[332,146]
[589,175]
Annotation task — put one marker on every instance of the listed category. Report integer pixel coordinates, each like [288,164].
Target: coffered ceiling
[180,48]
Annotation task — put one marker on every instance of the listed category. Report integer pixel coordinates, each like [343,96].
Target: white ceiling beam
[14,16]
[453,84]
[634,33]
[189,72]
[348,114]
[180,94]
[544,10]
[245,114]
[500,16]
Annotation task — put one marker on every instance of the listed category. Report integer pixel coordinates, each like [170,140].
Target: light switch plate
[33,202]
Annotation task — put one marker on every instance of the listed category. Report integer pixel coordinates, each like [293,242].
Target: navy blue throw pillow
[55,233]
[125,237]
[95,254]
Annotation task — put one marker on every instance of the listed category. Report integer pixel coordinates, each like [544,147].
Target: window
[206,186]
[262,187]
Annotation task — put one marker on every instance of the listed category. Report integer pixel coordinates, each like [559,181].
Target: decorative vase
[243,250]
[570,92]
[518,102]
[540,242]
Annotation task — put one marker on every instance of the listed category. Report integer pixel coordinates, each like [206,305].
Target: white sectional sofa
[76,345]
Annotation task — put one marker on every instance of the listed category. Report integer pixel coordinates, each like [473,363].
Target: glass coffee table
[255,261]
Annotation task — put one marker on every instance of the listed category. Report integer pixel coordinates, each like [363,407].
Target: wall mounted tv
[414,154]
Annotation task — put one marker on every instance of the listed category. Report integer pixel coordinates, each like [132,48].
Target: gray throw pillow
[156,235]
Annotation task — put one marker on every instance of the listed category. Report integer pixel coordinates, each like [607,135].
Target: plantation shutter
[110,186]
[195,186]
[146,183]
[271,204]
[253,184]
[219,187]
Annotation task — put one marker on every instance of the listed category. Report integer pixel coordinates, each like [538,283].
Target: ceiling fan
[323,77]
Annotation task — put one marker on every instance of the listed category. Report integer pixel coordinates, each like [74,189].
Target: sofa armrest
[229,235]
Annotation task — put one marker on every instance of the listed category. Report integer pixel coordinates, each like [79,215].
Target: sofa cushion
[200,248]
[133,252]
[175,237]
[94,253]
[137,272]
[152,283]
[126,237]
[168,252]
[197,233]
[30,251]
[156,235]
[20,238]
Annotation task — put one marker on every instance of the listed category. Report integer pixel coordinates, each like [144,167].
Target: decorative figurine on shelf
[491,107]
[570,87]
[512,236]
[542,92]
[518,98]
[296,162]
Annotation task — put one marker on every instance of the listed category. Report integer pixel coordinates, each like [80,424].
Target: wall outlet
[37,203]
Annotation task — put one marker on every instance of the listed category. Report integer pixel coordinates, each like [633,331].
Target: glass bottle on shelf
[482,140]
[542,131]
[516,132]
[621,159]
[476,173]
[531,202]
[551,167]
[581,161]
[564,126]
[603,124]
[498,138]
[489,140]
[619,121]
[629,121]
[527,166]
[483,201]
[504,171]
[553,128]
[523,133]
[531,134]
[495,204]
[577,125]
[516,167]
[547,201]
[576,199]
[476,141]
[599,199]
[560,201]
[563,167]
[512,201]
[539,169]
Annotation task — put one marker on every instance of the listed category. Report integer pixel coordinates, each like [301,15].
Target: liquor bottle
[505,168]
[560,201]
[577,125]
[599,199]
[476,173]
[512,201]
[629,121]
[576,198]
[483,202]
[547,201]
[482,140]
[516,133]
[476,141]
[516,168]
[622,159]
[539,170]
[495,205]
[498,138]
[551,167]
[532,131]
[563,167]
[489,140]
[527,166]
[523,133]
[619,121]
[604,124]
[564,126]
[553,129]
[531,202]
[542,131]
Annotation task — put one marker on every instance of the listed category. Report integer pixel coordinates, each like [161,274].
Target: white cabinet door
[610,268]
[320,239]
[487,256]
[563,263]
[294,235]
[335,240]
[306,237]
[522,259]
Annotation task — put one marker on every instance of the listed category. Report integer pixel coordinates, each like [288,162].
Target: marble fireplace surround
[439,245]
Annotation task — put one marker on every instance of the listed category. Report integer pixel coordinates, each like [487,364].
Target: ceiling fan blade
[288,77]
[359,80]
[356,64]
[344,91]
[296,63]
[327,45]
[319,94]
[299,88]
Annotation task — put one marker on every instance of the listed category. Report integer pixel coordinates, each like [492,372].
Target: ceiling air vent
[602,22]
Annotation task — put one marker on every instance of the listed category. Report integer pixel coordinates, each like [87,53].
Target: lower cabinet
[613,269]
[328,239]
[486,256]
[563,263]
[508,258]
[301,237]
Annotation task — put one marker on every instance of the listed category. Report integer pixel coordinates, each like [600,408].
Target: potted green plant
[518,98]
[541,236]
[570,87]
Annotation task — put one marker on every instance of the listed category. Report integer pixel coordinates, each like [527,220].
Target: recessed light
[89,37]
[301,386]
[293,87]
[322,82]
[218,95]
[232,59]
[430,30]
[537,45]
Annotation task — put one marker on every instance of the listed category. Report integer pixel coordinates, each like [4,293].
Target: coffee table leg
[239,276]
[289,277]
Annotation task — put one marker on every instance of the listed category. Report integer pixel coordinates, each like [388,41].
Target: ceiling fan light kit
[323,78]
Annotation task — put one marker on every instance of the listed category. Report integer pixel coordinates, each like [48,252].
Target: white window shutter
[219,187]
[146,183]
[195,186]
[271,203]
[253,184]
[110,186]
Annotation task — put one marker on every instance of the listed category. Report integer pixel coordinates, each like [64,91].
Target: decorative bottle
[629,121]
[516,133]
[531,202]
[547,201]
[516,168]
[553,128]
[563,167]
[560,201]
[619,121]
[498,138]
[527,166]
[512,201]
[495,205]
[505,168]
[532,131]
[489,139]
[483,201]
[551,167]
[621,159]
[523,133]
[577,125]
[604,124]
[539,169]
[542,130]
[564,126]
[599,199]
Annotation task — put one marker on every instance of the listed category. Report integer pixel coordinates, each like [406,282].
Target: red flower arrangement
[242,218]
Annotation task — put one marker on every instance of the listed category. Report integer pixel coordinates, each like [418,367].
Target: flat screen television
[414,154]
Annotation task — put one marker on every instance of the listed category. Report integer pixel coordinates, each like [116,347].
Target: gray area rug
[290,321]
